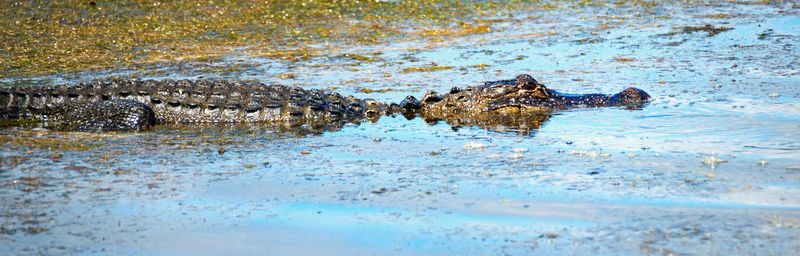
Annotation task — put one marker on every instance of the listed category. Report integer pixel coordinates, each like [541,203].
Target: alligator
[136,105]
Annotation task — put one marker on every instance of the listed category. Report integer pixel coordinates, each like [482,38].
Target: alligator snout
[633,97]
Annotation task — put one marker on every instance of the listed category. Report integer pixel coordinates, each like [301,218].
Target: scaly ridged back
[185,101]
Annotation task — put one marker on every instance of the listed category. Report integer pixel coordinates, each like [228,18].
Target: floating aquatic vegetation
[708,28]
[68,37]
[47,37]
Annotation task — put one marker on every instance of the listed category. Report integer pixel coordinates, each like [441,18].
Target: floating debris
[367,90]
[793,168]
[592,154]
[763,163]
[520,150]
[773,95]
[712,160]
[516,156]
[432,67]
[708,28]
[576,152]
[475,145]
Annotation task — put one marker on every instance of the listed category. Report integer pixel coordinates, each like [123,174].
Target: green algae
[430,67]
[49,37]
[52,141]
[40,38]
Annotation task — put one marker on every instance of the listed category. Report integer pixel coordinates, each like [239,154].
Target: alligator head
[521,102]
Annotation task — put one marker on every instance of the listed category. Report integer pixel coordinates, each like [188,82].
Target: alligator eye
[370,103]
[432,97]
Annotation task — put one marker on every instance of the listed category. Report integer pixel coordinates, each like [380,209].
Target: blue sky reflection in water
[712,166]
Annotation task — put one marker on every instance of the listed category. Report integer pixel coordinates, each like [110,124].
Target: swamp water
[711,166]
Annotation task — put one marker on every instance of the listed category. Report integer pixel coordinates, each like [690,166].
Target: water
[711,166]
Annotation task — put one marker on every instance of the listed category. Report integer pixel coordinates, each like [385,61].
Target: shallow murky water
[712,166]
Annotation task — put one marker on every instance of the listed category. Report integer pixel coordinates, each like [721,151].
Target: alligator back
[185,101]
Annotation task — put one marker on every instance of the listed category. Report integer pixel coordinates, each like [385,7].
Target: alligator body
[136,105]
